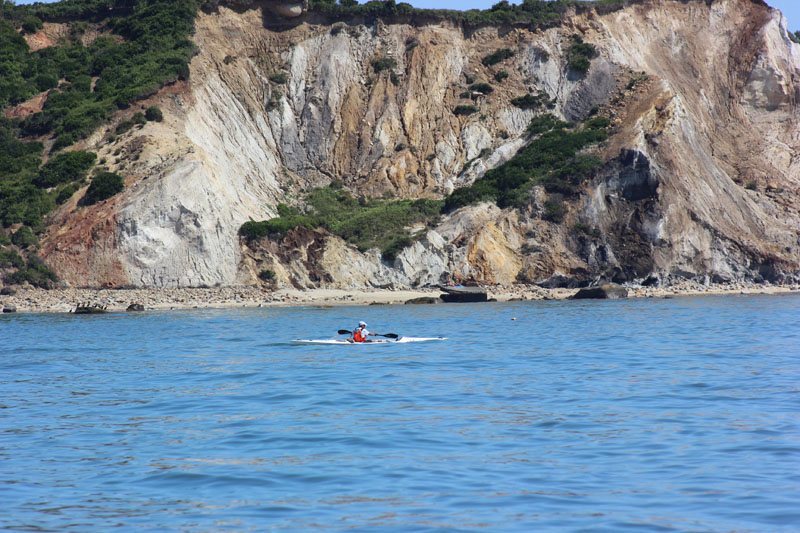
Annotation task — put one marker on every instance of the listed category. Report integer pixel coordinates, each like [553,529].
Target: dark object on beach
[10,309]
[463,294]
[135,307]
[89,309]
[8,291]
[423,300]
[609,291]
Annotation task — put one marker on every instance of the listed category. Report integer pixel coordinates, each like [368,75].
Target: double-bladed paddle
[389,335]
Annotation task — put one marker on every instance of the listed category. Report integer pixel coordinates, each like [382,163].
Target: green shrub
[383,63]
[395,245]
[500,76]
[65,168]
[530,101]
[46,81]
[541,53]
[279,78]
[82,83]
[103,186]
[124,126]
[62,141]
[35,272]
[65,193]
[276,227]
[497,57]
[566,179]
[10,258]
[21,201]
[483,88]
[31,24]
[543,123]
[465,109]
[598,123]
[289,210]
[153,113]
[266,275]
[24,237]
[580,55]
[138,118]
[554,211]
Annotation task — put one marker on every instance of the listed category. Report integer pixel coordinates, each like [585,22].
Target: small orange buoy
[514,318]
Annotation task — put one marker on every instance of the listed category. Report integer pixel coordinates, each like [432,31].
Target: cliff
[700,174]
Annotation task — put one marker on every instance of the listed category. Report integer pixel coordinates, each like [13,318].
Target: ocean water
[677,414]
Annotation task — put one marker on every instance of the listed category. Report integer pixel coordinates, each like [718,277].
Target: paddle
[389,335]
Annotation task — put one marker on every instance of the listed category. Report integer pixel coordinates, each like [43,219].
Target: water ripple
[641,415]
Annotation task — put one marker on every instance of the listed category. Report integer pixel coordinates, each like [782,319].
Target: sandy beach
[32,300]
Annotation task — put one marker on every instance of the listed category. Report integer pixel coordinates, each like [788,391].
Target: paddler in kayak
[360,334]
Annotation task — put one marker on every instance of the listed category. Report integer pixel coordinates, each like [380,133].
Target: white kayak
[400,340]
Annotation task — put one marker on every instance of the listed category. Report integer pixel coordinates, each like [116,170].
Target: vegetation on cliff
[142,45]
[365,223]
[531,12]
[552,159]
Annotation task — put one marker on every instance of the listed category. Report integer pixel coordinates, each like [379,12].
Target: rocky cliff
[700,177]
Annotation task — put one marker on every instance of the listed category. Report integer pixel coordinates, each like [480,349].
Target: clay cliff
[700,179]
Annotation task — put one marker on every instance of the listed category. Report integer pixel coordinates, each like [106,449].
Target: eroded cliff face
[702,178]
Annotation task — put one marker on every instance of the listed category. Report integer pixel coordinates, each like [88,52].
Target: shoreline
[32,300]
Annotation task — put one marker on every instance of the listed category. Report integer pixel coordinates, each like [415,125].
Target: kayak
[401,340]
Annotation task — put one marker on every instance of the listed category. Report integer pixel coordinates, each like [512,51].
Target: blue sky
[790,8]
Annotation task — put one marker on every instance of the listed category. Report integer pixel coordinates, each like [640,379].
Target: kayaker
[360,333]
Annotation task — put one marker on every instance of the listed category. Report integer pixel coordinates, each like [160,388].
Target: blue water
[641,415]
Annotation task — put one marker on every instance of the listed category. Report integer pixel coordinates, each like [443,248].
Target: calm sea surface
[641,415]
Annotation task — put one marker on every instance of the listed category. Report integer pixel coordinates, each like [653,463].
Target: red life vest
[358,336]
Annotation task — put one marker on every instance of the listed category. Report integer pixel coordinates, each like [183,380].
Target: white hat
[362,323]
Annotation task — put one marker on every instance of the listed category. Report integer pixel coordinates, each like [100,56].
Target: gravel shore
[31,300]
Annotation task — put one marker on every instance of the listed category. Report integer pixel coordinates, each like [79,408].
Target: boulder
[423,300]
[135,307]
[559,281]
[608,291]
[10,309]
[290,9]
[8,291]
[463,294]
[89,309]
